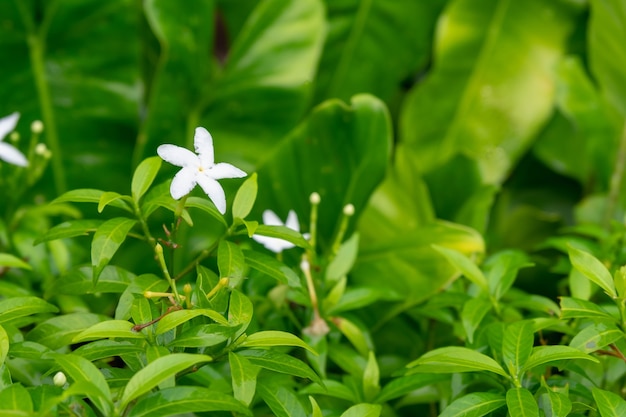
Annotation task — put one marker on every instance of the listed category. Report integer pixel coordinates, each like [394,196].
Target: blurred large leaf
[490,91]
[340,152]
[386,40]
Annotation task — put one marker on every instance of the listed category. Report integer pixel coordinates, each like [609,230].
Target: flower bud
[59,379]
[348,210]
[315,198]
[36,127]
[14,137]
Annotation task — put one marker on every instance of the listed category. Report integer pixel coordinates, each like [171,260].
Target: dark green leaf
[106,241]
[280,362]
[271,267]
[476,404]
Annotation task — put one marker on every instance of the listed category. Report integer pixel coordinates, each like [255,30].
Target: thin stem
[616,180]
[203,255]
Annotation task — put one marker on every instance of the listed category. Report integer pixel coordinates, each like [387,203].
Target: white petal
[271,219]
[273,243]
[292,221]
[224,170]
[183,183]
[214,191]
[11,155]
[203,143]
[8,123]
[178,156]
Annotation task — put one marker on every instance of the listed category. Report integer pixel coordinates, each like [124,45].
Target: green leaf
[282,401]
[371,378]
[245,197]
[359,297]
[272,267]
[280,362]
[4,344]
[144,176]
[517,346]
[109,329]
[405,384]
[284,233]
[476,404]
[79,281]
[230,260]
[609,404]
[317,411]
[344,260]
[206,206]
[59,331]
[271,338]
[102,349]
[70,228]
[593,269]
[502,269]
[106,241]
[88,195]
[454,359]
[204,335]
[156,372]
[465,265]
[13,308]
[577,308]
[11,261]
[521,403]
[15,399]
[88,379]
[363,410]
[178,400]
[110,196]
[472,314]
[240,311]
[243,374]
[176,318]
[546,354]
[554,404]
[596,336]
[357,335]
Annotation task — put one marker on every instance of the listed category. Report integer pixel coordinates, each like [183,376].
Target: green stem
[616,180]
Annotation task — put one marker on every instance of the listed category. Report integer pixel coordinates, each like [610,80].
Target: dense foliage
[424,208]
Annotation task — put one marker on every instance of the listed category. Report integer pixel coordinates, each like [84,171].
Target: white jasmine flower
[199,169]
[10,153]
[273,243]
[59,379]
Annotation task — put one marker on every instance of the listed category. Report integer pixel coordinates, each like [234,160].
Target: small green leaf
[204,335]
[106,241]
[4,345]
[371,378]
[239,311]
[70,228]
[60,331]
[15,401]
[272,267]
[405,384]
[554,404]
[576,308]
[284,233]
[465,265]
[243,374]
[101,349]
[593,269]
[502,269]
[13,308]
[317,411]
[358,336]
[472,314]
[454,359]
[363,410]
[596,336]
[476,404]
[230,261]
[545,354]
[79,281]
[517,346]
[109,197]
[10,261]
[88,195]
[206,206]
[156,372]
[245,197]
[176,318]
[280,362]
[143,177]
[109,329]
[521,403]
[282,401]
[275,338]
[609,404]
[344,260]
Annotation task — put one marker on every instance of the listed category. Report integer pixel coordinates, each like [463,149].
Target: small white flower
[199,169]
[59,379]
[273,243]
[9,153]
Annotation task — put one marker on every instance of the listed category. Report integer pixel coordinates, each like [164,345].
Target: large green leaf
[280,362]
[106,241]
[271,338]
[476,404]
[282,401]
[609,404]
[243,374]
[517,346]
[593,269]
[15,400]
[59,331]
[521,403]
[13,308]
[547,354]
[363,410]
[453,359]
[596,336]
[340,152]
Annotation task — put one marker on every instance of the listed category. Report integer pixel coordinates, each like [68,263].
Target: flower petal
[214,191]
[292,221]
[178,156]
[271,219]
[8,123]
[203,144]
[225,170]
[274,244]
[183,183]
[12,155]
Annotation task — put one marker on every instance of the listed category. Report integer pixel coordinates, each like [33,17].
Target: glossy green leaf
[547,354]
[106,241]
[70,228]
[60,331]
[109,329]
[144,176]
[101,349]
[240,310]
[176,318]
[359,297]
[156,372]
[206,206]
[520,402]
[577,308]
[11,261]
[371,378]
[280,362]
[331,389]
[403,385]
[608,403]
[272,267]
[204,335]
[78,281]
[28,350]
[185,399]
[596,336]
[245,197]
[517,346]
[363,410]
[4,344]
[472,314]
[454,359]
[110,196]
[89,195]
[593,269]
[342,263]
[282,401]
[243,374]
[230,260]
[502,269]
[554,404]
[465,265]
[88,378]
[284,233]
[13,308]
[270,338]
[476,404]
[15,400]
[317,411]
[357,335]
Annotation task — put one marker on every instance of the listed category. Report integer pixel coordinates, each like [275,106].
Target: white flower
[273,243]
[9,153]
[199,169]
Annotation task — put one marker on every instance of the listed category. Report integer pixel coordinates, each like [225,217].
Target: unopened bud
[315,198]
[42,149]
[59,379]
[36,127]
[14,137]
[187,288]
[348,210]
